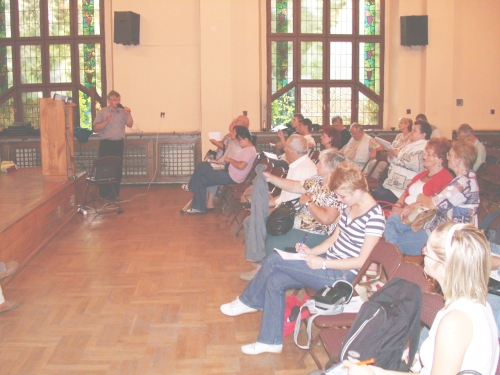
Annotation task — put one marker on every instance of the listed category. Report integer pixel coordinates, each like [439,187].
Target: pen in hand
[302,242]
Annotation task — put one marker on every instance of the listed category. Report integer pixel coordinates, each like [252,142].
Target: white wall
[203,63]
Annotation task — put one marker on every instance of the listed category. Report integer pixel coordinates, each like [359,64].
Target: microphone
[119,105]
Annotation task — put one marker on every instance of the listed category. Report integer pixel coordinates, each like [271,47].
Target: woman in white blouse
[463,335]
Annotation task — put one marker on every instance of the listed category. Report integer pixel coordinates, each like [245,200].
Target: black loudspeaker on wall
[127,27]
[414,30]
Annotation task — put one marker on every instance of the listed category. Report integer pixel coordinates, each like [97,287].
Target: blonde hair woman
[463,335]
[339,257]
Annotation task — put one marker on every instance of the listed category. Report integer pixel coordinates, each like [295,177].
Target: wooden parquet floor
[137,293]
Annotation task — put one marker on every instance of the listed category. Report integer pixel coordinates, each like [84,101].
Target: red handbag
[291,302]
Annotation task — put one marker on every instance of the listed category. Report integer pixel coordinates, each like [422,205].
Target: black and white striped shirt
[352,233]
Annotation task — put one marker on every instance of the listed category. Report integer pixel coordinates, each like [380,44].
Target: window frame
[298,83]
[45,40]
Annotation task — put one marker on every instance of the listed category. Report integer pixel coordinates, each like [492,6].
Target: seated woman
[317,215]
[339,257]
[456,202]
[463,335]
[402,139]
[429,182]
[330,138]
[205,176]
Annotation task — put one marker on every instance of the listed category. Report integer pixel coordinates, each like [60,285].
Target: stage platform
[32,211]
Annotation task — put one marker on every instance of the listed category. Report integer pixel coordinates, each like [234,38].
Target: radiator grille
[28,157]
[176,159]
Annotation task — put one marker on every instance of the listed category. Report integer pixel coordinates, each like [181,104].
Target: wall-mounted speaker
[127,27]
[414,30]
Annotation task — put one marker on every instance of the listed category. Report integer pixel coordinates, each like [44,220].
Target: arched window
[325,58]
[50,47]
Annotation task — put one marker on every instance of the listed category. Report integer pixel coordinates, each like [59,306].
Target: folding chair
[105,172]
[375,182]
[388,257]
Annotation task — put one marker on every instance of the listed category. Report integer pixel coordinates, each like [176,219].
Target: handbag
[280,221]
[419,217]
[329,300]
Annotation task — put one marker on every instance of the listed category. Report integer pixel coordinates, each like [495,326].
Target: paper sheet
[385,144]
[290,256]
[270,155]
[215,135]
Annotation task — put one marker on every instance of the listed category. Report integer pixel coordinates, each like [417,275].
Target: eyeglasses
[424,253]
[430,154]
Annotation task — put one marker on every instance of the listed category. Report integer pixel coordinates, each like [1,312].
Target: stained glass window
[89,17]
[6,75]
[59,17]
[340,60]
[282,16]
[311,104]
[282,64]
[311,65]
[29,18]
[48,47]
[369,65]
[7,112]
[341,17]
[85,108]
[5,27]
[368,111]
[90,65]
[30,107]
[31,64]
[369,17]
[283,108]
[331,57]
[311,13]
[60,63]
[340,103]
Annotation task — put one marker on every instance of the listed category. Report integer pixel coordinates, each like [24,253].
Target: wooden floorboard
[136,293]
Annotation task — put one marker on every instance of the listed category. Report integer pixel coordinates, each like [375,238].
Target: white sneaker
[236,308]
[185,187]
[258,348]
[247,276]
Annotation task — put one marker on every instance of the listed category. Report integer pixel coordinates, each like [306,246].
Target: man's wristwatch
[323,267]
[307,203]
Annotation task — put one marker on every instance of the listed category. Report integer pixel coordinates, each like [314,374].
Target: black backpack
[384,325]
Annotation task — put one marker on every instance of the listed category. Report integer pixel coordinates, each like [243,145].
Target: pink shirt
[247,154]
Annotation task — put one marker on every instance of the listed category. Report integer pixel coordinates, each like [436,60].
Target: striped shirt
[352,233]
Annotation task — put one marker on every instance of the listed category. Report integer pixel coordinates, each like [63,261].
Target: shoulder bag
[280,221]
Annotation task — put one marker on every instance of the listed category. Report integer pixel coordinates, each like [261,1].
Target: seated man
[300,169]
[304,129]
[361,147]
[436,133]
[295,122]
[405,164]
[345,135]
[465,132]
[228,145]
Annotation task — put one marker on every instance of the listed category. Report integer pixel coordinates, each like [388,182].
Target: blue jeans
[203,177]
[291,238]
[408,241]
[267,291]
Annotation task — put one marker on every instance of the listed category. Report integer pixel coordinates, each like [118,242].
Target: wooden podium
[56,137]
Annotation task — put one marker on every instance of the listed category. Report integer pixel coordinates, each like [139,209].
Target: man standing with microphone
[109,124]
